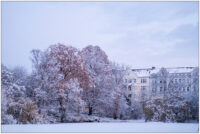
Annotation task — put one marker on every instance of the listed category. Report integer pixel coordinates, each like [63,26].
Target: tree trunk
[115,116]
[62,110]
[90,111]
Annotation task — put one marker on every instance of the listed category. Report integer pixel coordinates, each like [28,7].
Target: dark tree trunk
[115,116]
[62,110]
[90,111]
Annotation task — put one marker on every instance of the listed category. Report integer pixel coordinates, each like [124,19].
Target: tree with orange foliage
[62,64]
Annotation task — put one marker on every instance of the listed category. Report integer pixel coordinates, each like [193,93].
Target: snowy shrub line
[169,109]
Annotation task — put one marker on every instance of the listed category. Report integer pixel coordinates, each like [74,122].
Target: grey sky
[140,34]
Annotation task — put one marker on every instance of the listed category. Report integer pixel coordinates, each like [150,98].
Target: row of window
[164,89]
[173,81]
[160,81]
[134,80]
[180,81]
[142,87]
[181,74]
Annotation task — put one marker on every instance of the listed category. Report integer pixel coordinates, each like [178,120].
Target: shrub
[171,109]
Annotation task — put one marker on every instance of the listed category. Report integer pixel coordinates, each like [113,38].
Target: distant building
[143,83]
[174,79]
[138,82]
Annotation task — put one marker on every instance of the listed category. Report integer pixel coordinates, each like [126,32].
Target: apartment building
[138,82]
[143,83]
[178,79]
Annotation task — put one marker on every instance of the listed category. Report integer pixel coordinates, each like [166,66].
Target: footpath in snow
[128,126]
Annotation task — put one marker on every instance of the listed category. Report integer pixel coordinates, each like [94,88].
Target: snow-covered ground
[118,126]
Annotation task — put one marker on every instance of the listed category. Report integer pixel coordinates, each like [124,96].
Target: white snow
[142,72]
[126,126]
[148,71]
[180,70]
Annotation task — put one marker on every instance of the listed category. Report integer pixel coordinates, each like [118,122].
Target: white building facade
[144,83]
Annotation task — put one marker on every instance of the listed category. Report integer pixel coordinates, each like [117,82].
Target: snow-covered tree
[16,107]
[60,65]
[120,91]
[99,98]
[19,75]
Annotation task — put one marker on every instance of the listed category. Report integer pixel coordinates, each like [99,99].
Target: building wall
[180,82]
[138,88]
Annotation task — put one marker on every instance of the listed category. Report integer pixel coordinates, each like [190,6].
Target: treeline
[66,85]
[71,85]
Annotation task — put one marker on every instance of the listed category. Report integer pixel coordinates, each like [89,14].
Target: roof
[142,72]
[148,71]
[180,70]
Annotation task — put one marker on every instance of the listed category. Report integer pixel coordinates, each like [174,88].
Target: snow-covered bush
[24,111]
[170,109]
[16,107]
[8,119]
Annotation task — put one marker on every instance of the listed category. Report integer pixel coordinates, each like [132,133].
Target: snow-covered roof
[180,70]
[148,71]
[143,72]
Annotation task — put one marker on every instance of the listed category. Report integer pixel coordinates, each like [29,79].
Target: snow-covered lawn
[128,126]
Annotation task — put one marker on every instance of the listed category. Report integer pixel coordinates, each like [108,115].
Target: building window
[143,87]
[129,87]
[183,80]
[188,89]
[143,80]
[183,89]
[134,80]
[175,80]
[129,95]
[125,80]
[130,81]
[153,90]
[179,80]
[160,89]
[160,81]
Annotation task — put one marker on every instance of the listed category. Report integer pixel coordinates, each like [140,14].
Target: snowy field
[128,126]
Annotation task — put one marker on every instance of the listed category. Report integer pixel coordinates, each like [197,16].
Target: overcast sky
[139,34]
